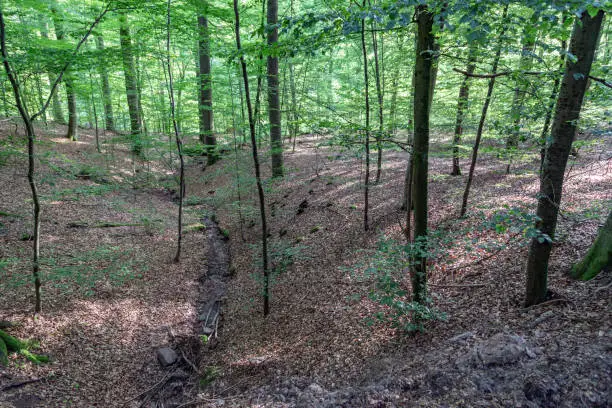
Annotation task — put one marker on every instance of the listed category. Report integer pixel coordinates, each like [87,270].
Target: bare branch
[601,81]
[497,74]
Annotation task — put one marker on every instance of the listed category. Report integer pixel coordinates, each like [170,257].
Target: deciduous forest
[314,203]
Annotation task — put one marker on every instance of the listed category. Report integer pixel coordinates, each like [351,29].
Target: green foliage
[80,273]
[210,374]
[387,269]
[80,192]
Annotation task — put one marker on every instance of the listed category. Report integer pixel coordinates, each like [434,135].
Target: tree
[599,256]
[131,85]
[422,99]
[366,204]
[207,135]
[462,106]
[31,136]
[260,192]
[274,112]
[483,114]
[73,119]
[109,120]
[571,94]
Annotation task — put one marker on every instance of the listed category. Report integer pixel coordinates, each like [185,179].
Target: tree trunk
[56,106]
[520,90]
[31,165]
[260,192]
[423,88]
[571,95]
[366,203]
[274,113]
[131,86]
[109,121]
[72,132]
[379,95]
[207,135]
[551,105]
[483,115]
[599,256]
[462,107]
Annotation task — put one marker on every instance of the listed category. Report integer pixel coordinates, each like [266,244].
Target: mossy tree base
[9,344]
[599,255]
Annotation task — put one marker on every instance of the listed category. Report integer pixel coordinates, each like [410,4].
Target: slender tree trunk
[551,105]
[274,114]
[41,100]
[207,135]
[109,121]
[56,106]
[394,90]
[95,112]
[260,192]
[260,76]
[379,95]
[423,68]
[569,104]
[483,115]
[179,142]
[131,86]
[72,133]
[31,165]
[462,107]
[518,100]
[366,203]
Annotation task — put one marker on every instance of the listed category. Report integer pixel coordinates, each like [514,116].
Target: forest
[315,203]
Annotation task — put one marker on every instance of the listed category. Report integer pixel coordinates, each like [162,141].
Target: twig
[191,364]
[467,285]
[157,384]
[20,384]
[495,75]
[550,302]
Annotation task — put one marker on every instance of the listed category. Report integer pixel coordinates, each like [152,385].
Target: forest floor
[112,295]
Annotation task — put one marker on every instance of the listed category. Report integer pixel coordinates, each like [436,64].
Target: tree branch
[495,75]
[601,81]
[74,53]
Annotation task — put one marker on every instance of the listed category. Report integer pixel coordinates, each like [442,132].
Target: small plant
[224,232]
[210,374]
[203,339]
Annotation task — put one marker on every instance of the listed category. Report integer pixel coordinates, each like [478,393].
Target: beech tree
[571,95]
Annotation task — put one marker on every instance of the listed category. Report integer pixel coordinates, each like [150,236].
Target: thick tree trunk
[462,107]
[131,86]
[109,121]
[551,105]
[207,135]
[274,113]
[571,95]
[260,192]
[599,256]
[423,88]
[483,115]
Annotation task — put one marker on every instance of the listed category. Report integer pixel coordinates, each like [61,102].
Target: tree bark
[379,95]
[599,256]
[109,121]
[423,88]
[483,115]
[569,104]
[274,113]
[551,105]
[72,132]
[260,192]
[207,135]
[56,106]
[366,203]
[131,86]
[462,107]
[520,90]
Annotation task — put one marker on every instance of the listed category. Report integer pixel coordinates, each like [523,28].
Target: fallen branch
[20,384]
[467,285]
[550,302]
[148,390]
